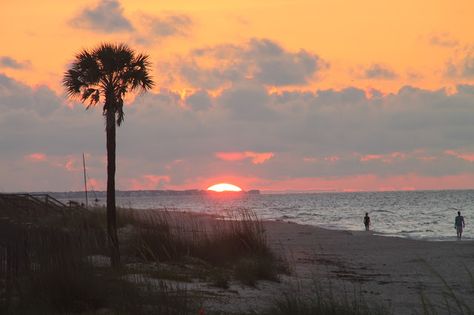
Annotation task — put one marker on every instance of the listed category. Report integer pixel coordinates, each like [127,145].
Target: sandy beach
[390,271]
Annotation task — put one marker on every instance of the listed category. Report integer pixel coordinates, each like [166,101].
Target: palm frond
[109,69]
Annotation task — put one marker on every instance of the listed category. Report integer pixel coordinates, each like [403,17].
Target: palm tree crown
[107,73]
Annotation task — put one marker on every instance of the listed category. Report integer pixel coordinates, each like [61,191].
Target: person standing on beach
[459,224]
[367,221]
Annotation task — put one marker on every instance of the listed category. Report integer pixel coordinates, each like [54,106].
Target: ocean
[427,215]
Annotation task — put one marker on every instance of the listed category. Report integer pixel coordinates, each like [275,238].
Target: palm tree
[106,74]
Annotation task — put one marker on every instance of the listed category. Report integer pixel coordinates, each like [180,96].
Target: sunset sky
[265,94]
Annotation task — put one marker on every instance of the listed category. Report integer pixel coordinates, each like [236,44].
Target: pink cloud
[36,157]
[464,156]
[370,157]
[385,158]
[332,158]
[255,157]
[72,164]
[147,182]
[309,159]
[95,184]
[230,156]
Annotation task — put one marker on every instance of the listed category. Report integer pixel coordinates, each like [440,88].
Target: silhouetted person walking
[367,221]
[459,224]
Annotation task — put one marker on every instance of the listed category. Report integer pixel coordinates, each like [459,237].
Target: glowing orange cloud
[257,158]
[36,157]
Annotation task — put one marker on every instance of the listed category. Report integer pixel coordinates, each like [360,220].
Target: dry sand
[389,271]
[385,270]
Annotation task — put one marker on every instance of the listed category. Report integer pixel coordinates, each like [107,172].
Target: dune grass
[47,264]
[237,243]
[48,268]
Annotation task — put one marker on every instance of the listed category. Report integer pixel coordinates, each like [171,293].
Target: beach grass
[48,269]
[59,264]
[48,265]
[237,244]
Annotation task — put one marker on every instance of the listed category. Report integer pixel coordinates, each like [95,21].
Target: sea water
[414,214]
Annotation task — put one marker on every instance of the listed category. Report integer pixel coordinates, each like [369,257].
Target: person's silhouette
[459,224]
[367,221]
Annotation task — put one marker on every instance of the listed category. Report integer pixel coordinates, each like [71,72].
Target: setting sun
[224,187]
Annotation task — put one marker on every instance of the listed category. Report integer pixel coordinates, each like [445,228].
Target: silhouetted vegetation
[107,73]
[48,266]
[56,264]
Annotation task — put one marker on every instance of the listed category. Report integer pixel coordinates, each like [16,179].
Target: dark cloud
[247,102]
[107,16]
[9,62]
[200,100]
[377,71]
[261,60]
[166,140]
[15,96]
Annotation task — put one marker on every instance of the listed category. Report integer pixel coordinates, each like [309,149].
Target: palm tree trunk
[111,209]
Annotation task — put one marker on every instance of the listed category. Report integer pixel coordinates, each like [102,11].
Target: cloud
[107,16]
[255,157]
[267,139]
[247,102]
[466,156]
[170,26]
[275,66]
[442,40]
[467,66]
[15,96]
[36,157]
[461,65]
[155,29]
[9,62]
[199,100]
[377,71]
[384,158]
[260,60]
[149,182]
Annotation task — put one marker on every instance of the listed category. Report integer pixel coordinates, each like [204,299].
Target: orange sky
[350,35]
[368,44]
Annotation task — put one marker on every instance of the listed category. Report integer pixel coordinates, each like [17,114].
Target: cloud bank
[331,138]
[260,60]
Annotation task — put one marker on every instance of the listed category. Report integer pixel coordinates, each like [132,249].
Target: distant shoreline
[171,192]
